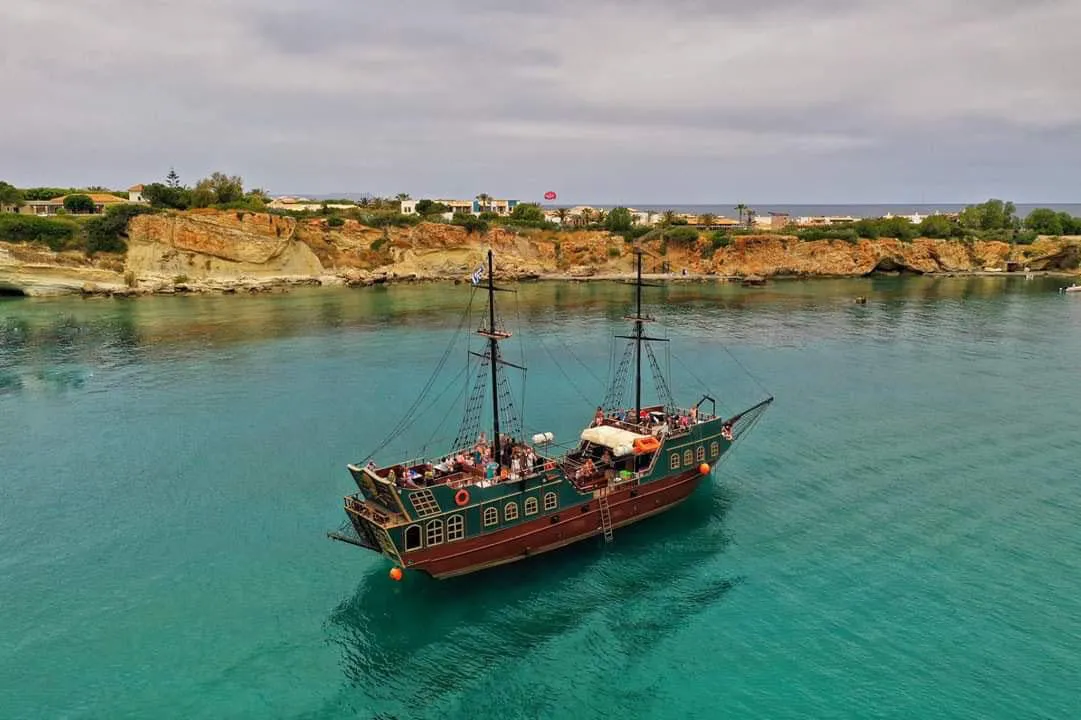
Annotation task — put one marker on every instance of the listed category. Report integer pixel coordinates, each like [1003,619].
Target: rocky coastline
[231,252]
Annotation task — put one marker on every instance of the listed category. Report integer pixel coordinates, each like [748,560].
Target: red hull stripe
[542,535]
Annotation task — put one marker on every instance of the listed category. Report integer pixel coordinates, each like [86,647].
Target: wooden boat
[483,503]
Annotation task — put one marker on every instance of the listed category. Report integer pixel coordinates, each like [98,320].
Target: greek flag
[478,274]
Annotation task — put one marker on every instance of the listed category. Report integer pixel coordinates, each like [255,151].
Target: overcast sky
[644,101]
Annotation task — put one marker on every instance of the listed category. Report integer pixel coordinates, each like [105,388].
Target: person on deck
[598,417]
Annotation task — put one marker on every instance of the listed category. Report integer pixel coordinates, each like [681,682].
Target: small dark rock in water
[861,300]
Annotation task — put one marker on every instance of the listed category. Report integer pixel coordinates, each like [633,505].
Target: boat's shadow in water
[647,583]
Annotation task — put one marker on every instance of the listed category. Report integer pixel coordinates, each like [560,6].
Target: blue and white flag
[478,274]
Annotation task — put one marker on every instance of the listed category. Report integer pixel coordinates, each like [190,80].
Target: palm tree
[741,208]
[562,213]
[750,217]
[586,216]
[600,217]
[668,217]
[484,199]
[402,197]
[707,219]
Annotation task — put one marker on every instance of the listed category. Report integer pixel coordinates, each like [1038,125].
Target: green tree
[172,179]
[484,199]
[1070,225]
[619,219]
[562,214]
[202,195]
[401,197]
[227,188]
[167,196]
[936,226]
[668,218]
[219,189]
[741,208]
[46,193]
[527,212]
[707,219]
[991,215]
[78,204]
[1045,221]
[430,207]
[10,195]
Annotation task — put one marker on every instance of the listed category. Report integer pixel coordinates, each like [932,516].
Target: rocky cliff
[208,250]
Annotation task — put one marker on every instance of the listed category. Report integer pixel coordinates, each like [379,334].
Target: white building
[135,194]
[469,207]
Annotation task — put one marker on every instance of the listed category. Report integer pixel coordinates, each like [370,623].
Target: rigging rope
[744,368]
[570,381]
[521,347]
[450,409]
[406,420]
[579,360]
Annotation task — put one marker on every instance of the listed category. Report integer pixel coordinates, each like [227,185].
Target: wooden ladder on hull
[606,518]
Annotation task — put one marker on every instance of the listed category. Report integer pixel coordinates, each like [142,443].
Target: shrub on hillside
[55,234]
[109,232]
[682,235]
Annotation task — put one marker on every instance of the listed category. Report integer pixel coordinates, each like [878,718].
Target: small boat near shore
[1071,289]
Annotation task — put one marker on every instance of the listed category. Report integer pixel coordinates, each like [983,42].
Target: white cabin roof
[619,440]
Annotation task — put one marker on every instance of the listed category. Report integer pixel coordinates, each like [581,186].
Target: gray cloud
[684,100]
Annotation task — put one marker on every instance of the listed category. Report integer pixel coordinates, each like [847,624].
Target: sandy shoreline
[281,285]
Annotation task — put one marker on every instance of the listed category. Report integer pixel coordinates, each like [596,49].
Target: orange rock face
[218,249]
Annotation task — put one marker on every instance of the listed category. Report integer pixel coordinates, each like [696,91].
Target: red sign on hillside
[549,195]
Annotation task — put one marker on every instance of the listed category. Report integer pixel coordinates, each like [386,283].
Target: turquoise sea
[900,537]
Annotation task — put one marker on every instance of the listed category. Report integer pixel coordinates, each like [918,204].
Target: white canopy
[621,442]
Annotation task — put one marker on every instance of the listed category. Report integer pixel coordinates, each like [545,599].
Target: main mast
[494,350]
[639,336]
[638,344]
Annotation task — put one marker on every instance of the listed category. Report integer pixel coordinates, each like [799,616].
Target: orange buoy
[395,574]
[704,468]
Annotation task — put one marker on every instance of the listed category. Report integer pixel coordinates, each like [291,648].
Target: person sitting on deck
[588,469]
[694,415]
[598,417]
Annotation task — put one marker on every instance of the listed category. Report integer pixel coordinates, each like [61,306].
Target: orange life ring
[461,497]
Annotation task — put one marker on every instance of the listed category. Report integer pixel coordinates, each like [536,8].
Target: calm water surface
[899,537]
